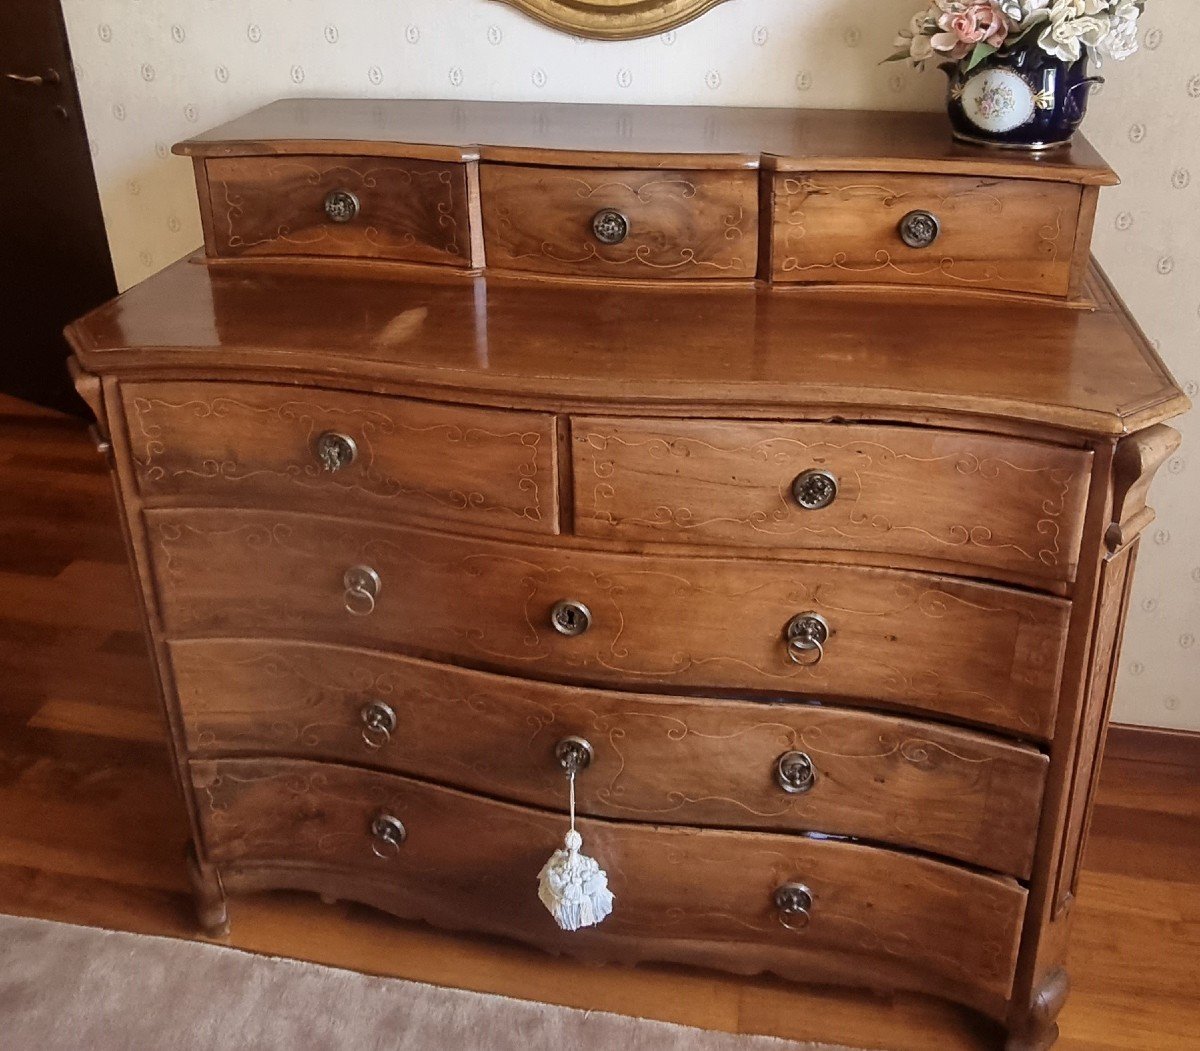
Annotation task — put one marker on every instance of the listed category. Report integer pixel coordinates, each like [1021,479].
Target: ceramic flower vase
[1026,100]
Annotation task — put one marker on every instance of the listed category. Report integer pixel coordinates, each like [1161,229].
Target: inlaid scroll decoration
[286,456]
[853,459]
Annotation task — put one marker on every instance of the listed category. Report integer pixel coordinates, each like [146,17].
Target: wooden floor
[91,829]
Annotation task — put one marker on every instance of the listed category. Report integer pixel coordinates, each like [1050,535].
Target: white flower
[1121,40]
[915,39]
[1074,25]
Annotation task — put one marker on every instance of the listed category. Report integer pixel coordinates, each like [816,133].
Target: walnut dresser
[795,462]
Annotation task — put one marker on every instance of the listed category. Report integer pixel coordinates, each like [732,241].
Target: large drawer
[316,450]
[646,225]
[663,759]
[877,917]
[370,207]
[948,231]
[983,653]
[973,499]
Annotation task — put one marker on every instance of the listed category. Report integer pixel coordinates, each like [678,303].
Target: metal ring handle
[805,637]
[610,226]
[570,618]
[795,773]
[920,229]
[379,723]
[362,585]
[794,901]
[387,834]
[335,450]
[341,206]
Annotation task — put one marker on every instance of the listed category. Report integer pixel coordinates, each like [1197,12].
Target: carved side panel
[988,654]
[895,918]
[843,227]
[251,443]
[681,224]
[662,759]
[409,210]
[979,500]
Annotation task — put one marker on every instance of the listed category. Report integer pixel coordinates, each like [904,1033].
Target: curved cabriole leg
[210,895]
[1038,1030]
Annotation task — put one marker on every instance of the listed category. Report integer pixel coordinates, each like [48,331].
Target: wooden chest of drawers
[832,587]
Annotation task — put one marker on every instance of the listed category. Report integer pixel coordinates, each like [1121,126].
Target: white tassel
[573,886]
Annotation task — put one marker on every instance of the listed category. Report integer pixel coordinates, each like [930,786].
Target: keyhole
[570,618]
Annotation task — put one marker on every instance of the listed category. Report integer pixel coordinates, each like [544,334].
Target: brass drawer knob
[379,723]
[362,586]
[387,833]
[805,637]
[573,754]
[610,226]
[570,618]
[795,773]
[920,229]
[794,902]
[341,206]
[815,489]
[335,451]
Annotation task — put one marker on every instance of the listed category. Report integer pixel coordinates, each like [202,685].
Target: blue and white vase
[1024,100]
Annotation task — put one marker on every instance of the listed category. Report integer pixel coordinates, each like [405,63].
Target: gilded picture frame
[614,19]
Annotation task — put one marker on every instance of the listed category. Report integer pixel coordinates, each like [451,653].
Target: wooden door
[54,258]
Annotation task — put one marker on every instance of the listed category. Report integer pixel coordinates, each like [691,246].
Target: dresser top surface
[590,134]
[727,350]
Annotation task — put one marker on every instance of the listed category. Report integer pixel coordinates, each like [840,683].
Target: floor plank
[92,828]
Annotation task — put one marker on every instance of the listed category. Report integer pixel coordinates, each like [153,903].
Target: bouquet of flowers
[973,30]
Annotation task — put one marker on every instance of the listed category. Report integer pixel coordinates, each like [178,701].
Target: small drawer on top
[370,207]
[663,759]
[977,500]
[644,225]
[324,450]
[950,231]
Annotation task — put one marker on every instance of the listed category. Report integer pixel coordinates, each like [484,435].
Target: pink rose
[965,24]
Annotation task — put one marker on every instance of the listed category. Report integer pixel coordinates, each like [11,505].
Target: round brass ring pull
[388,833]
[362,586]
[795,773]
[794,902]
[805,636]
[379,723]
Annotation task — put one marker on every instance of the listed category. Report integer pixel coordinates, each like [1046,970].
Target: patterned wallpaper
[155,71]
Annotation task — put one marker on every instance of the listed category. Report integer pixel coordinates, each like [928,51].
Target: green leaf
[981,52]
[899,56]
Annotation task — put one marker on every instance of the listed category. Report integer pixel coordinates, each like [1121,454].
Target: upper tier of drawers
[805,198]
[975,503]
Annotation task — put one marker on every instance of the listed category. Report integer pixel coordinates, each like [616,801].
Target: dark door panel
[54,258]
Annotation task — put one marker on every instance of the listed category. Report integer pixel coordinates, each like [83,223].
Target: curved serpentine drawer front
[443,855]
[975,499]
[646,225]
[987,654]
[371,207]
[964,232]
[340,452]
[663,759]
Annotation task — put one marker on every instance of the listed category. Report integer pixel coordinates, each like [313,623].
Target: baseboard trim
[1150,744]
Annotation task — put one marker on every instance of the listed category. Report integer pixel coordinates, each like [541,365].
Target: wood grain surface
[257,444]
[886,917]
[661,759]
[973,499]
[979,653]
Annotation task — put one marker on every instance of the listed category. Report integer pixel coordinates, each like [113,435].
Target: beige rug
[65,988]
